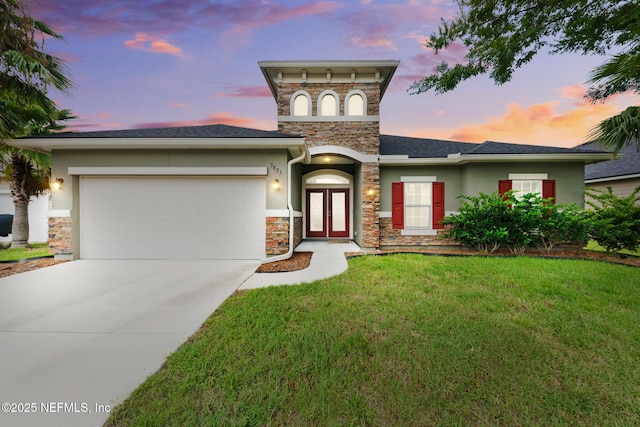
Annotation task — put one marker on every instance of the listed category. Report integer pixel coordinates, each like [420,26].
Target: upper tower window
[328,105]
[355,104]
[301,104]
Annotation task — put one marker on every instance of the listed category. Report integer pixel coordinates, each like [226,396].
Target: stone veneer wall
[60,229]
[370,205]
[361,136]
[277,238]
[392,237]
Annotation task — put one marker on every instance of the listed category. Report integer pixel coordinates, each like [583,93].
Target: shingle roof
[626,164]
[209,131]
[421,147]
[434,148]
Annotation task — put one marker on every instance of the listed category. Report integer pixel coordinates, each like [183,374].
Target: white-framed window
[527,183]
[301,104]
[355,103]
[417,205]
[328,103]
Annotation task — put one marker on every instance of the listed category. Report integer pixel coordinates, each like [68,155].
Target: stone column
[370,205]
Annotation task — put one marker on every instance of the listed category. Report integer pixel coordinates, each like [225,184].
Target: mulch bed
[298,261]
[8,269]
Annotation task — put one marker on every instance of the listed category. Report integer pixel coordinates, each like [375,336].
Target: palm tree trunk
[20,174]
[20,230]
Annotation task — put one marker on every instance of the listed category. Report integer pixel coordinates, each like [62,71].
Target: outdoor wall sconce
[371,192]
[57,184]
[276,184]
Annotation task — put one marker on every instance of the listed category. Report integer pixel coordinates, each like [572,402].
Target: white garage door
[172,218]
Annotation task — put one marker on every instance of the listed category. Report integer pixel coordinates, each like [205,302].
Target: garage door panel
[172,218]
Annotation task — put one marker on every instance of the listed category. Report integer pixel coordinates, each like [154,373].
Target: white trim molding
[419,179]
[418,232]
[329,118]
[169,171]
[528,176]
[282,213]
[343,151]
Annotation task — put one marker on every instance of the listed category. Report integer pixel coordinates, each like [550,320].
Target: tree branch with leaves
[504,35]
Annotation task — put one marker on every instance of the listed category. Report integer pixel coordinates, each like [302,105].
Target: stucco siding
[569,177]
[451,176]
[274,161]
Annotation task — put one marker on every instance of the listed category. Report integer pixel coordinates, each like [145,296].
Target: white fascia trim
[419,232]
[168,171]
[528,176]
[317,119]
[59,213]
[458,159]
[385,214]
[343,151]
[611,178]
[48,144]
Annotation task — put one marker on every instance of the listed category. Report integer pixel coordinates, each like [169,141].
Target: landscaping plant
[615,220]
[481,222]
[488,222]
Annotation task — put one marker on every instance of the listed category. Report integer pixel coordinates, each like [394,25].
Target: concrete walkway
[77,338]
[328,260]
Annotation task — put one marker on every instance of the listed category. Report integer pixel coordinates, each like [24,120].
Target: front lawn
[412,340]
[35,250]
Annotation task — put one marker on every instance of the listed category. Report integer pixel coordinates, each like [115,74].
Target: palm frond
[619,130]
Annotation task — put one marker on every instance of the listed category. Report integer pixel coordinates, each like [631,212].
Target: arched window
[356,104]
[328,103]
[327,178]
[301,104]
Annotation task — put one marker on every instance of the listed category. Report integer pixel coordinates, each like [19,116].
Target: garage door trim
[168,171]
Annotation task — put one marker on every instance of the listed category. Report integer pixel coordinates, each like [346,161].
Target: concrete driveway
[77,338]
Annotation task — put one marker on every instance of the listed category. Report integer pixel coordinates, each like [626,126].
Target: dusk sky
[151,63]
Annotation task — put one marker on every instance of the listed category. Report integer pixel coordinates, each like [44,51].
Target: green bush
[481,222]
[615,220]
[488,222]
[560,224]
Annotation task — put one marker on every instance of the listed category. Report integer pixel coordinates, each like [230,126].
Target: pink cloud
[373,42]
[261,91]
[214,119]
[538,124]
[271,14]
[143,41]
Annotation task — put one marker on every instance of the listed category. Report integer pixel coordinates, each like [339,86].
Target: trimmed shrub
[480,222]
[615,220]
[488,222]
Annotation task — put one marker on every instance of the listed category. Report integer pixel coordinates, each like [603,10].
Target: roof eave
[296,146]
[612,178]
[458,159]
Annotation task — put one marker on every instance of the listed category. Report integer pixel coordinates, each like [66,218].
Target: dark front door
[328,213]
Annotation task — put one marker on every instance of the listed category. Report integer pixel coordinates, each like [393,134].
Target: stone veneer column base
[60,229]
[277,236]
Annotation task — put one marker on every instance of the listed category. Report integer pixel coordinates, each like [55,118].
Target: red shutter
[504,185]
[438,204]
[549,189]
[397,204]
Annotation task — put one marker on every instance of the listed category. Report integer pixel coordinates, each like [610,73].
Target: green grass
[594,246]
[412,340]
[36,250]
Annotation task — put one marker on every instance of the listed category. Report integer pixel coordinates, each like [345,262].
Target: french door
[327,213]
